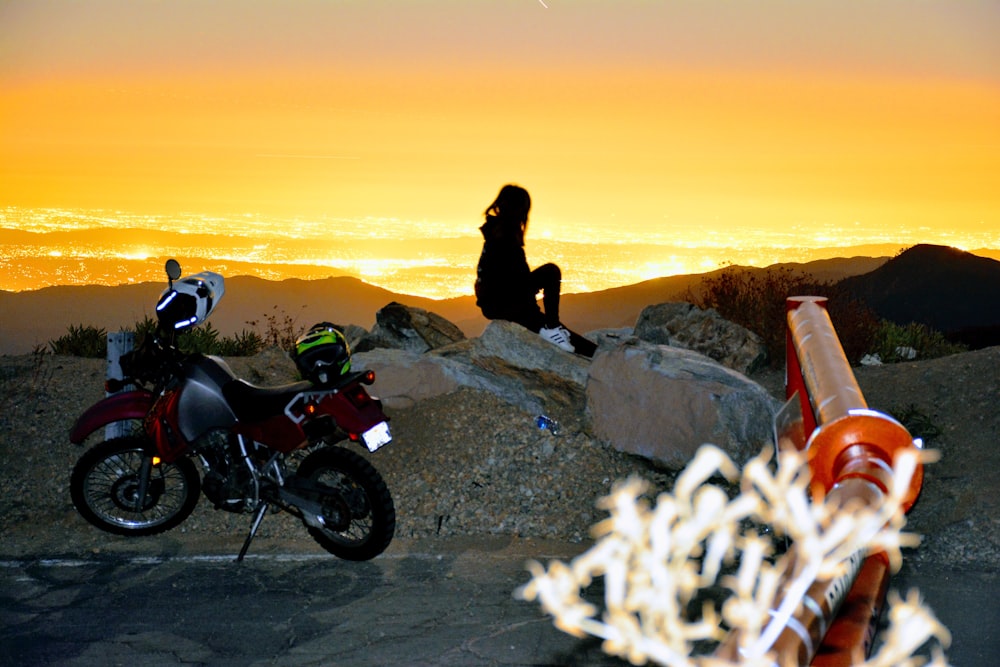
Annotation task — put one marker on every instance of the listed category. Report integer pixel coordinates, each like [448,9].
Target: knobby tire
[373,516]
[104,481]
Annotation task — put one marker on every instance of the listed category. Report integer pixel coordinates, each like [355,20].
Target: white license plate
[376,436]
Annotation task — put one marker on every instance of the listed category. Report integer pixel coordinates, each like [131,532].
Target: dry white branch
[656,559]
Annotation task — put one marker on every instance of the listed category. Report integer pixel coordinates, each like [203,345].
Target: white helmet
[189,301]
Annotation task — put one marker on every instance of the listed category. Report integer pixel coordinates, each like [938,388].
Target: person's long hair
[509,211]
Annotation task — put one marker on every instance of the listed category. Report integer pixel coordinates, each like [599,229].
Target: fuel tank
[202,406]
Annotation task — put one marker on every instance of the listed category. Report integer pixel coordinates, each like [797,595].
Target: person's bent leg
[548,279]
[528,316]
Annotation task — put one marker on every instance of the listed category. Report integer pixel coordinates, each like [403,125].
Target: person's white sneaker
[558,337]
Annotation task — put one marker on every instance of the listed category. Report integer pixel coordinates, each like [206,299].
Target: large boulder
[684,325]
[408,328]
[506,360]
[514,346]
[404,378]
[663,403]
[354,334]
[531,370]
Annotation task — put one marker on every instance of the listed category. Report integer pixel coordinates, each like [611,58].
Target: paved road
[442,603]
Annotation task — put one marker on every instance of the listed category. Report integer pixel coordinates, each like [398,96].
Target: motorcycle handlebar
[153,362]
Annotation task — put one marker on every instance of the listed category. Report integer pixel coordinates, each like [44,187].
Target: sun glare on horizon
[424,264]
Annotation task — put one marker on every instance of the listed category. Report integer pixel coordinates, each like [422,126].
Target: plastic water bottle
[547,423]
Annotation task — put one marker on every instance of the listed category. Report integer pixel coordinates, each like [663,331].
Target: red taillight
[368,377]
[358,396]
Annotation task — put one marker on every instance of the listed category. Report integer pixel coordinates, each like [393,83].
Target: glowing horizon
[405,257]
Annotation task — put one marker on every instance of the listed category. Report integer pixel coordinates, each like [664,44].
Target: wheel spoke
[359,525]
[357,507]
[105,485]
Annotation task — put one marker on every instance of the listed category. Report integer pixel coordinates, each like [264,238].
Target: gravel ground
[470,464]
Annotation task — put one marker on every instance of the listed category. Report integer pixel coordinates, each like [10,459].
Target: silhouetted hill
[35,317]
[620,306]
[954,292]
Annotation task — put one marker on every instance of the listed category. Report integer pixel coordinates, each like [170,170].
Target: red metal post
[850,450]
[850,446]
[849,440]
[849,639]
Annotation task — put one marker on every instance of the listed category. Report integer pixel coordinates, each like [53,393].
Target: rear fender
[354,410]
[118,407]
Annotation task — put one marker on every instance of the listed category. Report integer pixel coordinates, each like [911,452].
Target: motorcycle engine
[226,479]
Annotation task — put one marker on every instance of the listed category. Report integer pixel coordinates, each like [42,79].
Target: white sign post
[118,344]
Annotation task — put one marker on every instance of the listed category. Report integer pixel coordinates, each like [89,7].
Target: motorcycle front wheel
[359,516]
[106,481]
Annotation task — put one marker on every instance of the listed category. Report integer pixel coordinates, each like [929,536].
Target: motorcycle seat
[251,403]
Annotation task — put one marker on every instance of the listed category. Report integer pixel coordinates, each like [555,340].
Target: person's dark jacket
[503,278]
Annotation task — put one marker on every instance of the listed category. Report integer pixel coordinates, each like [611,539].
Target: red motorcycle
[247,448]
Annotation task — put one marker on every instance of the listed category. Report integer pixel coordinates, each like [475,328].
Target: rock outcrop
[651,400]
[408,328]
[506,360]
[404,378]
[684,325]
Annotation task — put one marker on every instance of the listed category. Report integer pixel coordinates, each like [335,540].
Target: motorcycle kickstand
[258,517]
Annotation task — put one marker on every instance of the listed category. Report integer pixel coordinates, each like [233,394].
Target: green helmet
[322,353]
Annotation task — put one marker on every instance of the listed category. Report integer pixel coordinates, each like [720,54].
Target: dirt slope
[468,464]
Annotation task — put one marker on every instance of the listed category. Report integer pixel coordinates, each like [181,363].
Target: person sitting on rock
[506,288]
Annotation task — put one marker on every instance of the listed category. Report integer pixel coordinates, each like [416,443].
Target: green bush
[244,344]
[854,322]
[203,339]
[143,328]
[894,342]
[81,341]
[757,300]
[90,341]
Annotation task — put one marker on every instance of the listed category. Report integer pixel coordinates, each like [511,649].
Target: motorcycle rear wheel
[361,519]
[105,481]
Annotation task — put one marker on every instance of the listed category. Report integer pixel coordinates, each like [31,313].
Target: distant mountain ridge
[32,318]
[620,306]
[948,289]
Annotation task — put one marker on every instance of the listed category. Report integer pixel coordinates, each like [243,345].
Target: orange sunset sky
[626,115]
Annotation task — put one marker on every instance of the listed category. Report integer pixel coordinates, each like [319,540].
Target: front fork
[145,471]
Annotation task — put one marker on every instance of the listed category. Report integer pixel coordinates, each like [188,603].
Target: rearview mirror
[173,269]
